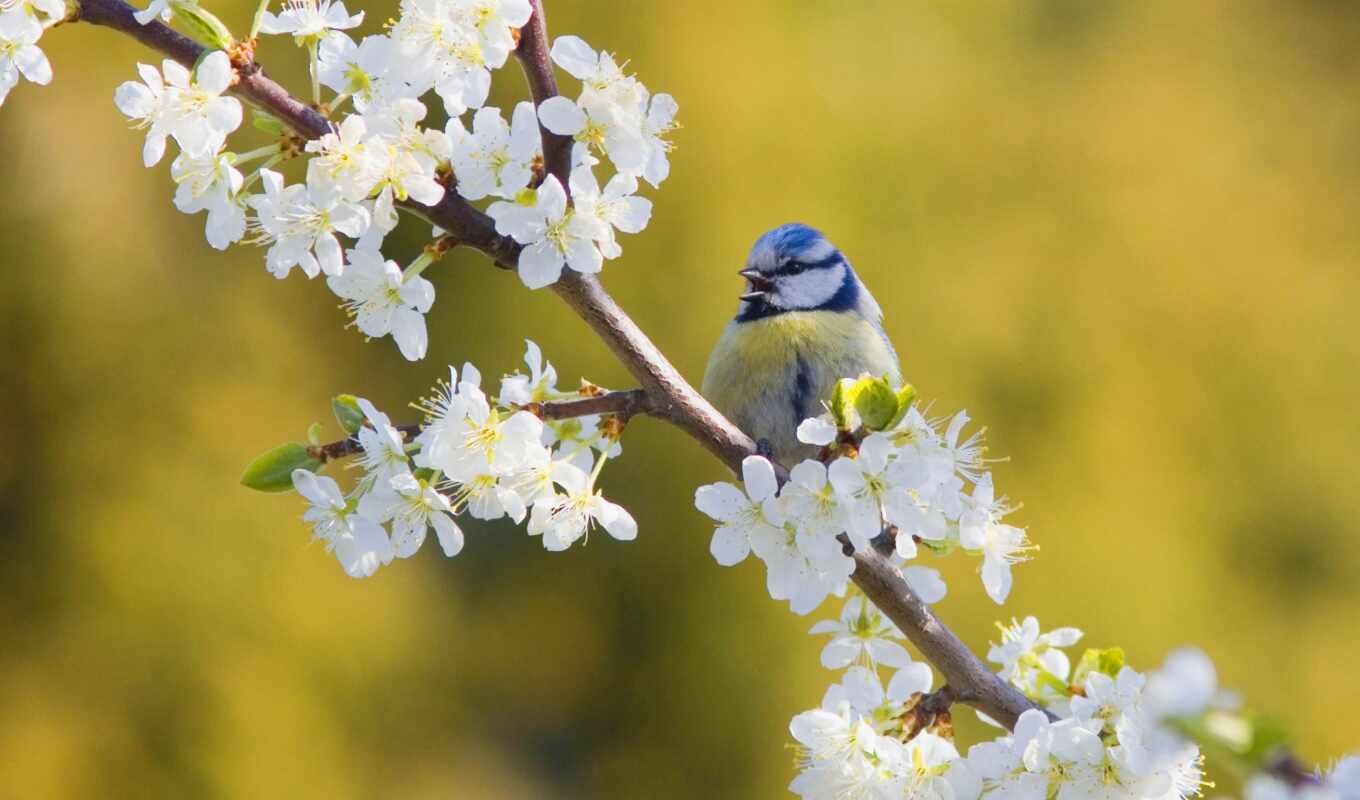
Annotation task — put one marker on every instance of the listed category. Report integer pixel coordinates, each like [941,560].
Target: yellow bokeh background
[1122,235]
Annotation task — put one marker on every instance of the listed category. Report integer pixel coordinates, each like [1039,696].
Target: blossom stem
[416,267]
[258,20]
[255,176]
[337,101]
[314,67]
[261,152]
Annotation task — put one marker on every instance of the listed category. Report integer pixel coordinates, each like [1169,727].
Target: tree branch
[623,404]
[668,395]
[534,57]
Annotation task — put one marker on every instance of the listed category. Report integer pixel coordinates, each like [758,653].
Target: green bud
[842,401]
[1268,737]
[1108,662]
[905,397]
[203,25]
[267,123]
[273,471]
[348,413]
[876,403]
[314,434]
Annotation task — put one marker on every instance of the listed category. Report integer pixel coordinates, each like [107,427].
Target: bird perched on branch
[805,321]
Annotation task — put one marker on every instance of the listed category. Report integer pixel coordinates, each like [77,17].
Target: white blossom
[862,634]
[742,515]
[1001,545]
[384,449]
[189,108]
[539,385]
[309,20]
[300,229]
[359,544]
[1025,653]
[343,164]
[615,208]
[382,301]
[468,437]
[553,235]
[209,182]
[494,158]
[413,507]
[568,517]
[370,71]
[19,52]
[810,501]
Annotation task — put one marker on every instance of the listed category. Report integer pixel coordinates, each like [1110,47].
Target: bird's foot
[764,449]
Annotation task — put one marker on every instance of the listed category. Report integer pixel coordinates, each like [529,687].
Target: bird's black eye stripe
[793,267]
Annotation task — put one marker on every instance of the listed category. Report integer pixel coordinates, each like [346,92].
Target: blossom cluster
[864,740]
[920,479]
[383,155]
[1102,730]
[22,24]
[487,457]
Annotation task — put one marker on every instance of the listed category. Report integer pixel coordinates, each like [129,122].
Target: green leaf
[348,413]
[314,434]
[267,123]
[1267,737]
[905,397]
[203,25]
[842,400]
[1107,662]
[273,471]
[876,403]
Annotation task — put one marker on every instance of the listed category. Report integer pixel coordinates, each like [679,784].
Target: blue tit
[805,322]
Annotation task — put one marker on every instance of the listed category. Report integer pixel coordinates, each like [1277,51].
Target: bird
[805,321]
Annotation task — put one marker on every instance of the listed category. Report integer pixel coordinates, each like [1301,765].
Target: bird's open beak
[760,285]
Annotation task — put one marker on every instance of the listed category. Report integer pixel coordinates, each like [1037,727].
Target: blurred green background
[1123,235]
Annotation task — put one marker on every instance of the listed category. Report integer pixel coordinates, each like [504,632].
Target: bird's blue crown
[794,250]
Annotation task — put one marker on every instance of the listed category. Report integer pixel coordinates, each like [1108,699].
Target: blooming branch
[887,479]
[669,396]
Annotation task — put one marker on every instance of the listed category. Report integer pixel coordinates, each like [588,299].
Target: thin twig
[623,404]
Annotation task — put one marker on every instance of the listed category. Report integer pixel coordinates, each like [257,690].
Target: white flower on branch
[615,208]
[210,183]
[539,385]
[19,52]
[369,72]
[309,20]
[383,301]
[1033,661]
[867,486]
[810,501]
[552,233]
[861,635]
[742,515]
[189,108]
[300,228]
[404,156]
[342,164]
[412,507]
[384,449]
[454,44]
[467,438]
[568,517]
[613,115]
[360,544]
[495,158]
[1001,545]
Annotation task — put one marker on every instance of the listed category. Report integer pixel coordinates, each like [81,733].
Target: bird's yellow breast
[766,375]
